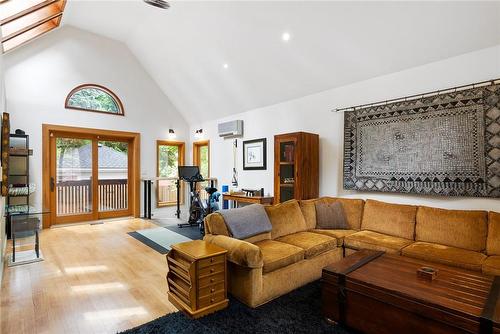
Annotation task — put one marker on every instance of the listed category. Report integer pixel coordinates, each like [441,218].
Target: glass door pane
[112,175]
[201,159]
[168,163]
[287,170]
[203,163]
[73,184]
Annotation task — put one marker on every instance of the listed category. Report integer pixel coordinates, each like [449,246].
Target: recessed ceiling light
[226,66]
[158,3]
[286,36]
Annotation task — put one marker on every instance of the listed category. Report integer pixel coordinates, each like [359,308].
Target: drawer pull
[212,280]
[212,270]
[212,290]
[212,300]
[212,260]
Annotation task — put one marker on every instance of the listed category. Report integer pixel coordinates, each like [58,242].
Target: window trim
[181,145]
[104,89]
[29,21]
[196,154]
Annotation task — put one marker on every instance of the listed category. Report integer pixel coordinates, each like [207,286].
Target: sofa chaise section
[269,265]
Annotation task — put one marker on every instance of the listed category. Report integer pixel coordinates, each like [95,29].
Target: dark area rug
[189,232]
[192,233]
[296,312]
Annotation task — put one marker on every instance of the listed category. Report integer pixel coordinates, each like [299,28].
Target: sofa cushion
[286,218]
[491,266]
[240,252]
[393,219]
[455,228]
[376,241]
[247,221]
[337,234]
[215,224]
[258,237]
[331,216]
[493,241]
[452,256]
[312,243]
[277,254]
[353,210]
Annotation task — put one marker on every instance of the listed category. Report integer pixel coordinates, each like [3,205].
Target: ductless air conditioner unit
[231,129]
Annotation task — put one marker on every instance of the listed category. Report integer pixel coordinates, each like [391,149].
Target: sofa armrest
[238,251]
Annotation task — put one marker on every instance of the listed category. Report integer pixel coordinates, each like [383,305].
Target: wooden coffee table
[373,292]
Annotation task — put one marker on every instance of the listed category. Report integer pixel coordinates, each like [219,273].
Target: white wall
[39,76]
[312,114]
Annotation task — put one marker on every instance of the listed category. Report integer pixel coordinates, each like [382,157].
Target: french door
[90,177]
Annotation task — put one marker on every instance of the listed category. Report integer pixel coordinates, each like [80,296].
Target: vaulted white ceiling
[332,44]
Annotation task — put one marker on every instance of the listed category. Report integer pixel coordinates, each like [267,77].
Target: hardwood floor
[95,279]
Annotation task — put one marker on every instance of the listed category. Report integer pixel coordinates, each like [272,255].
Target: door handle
[52,184]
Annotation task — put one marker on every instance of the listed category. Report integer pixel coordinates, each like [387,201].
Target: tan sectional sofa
[269,265]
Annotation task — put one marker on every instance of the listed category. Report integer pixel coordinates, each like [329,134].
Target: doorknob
[52,184]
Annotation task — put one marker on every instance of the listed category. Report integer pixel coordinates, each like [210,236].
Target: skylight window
[94,98]
[23,21]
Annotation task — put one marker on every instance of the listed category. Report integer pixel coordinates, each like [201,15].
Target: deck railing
[167,190]
[75,197]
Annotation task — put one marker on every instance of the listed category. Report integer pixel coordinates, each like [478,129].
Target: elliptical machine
[198,209]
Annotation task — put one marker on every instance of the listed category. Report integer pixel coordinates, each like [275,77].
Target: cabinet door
[285,169]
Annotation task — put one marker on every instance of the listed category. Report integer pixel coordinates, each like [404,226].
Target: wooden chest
[374,292]
[196,277]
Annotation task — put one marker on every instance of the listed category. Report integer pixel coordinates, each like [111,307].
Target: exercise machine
[198,209]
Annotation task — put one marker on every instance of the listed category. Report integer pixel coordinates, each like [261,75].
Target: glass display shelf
[24,210]
[25,221]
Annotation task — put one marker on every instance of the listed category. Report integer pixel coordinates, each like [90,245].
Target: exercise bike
[198,209]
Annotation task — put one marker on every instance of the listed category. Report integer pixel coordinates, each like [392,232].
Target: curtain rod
[411,97]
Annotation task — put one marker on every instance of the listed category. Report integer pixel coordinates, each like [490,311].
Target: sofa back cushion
[393,219]
[493,242]
[331,216]
[286,218]
[455,228]
[215,225]
[353,209]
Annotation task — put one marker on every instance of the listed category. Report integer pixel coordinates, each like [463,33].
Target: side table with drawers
[196,277]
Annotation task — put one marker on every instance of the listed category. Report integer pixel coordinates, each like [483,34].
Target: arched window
[96,98]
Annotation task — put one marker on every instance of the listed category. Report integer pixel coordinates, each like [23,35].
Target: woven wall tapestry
[446,144]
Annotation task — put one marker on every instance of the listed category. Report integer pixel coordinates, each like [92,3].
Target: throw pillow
[331,216]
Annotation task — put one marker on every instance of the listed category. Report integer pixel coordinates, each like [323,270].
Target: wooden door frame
[134,163]
[182,159]
[196,146]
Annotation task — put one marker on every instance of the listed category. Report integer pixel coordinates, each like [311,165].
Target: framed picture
[255,154]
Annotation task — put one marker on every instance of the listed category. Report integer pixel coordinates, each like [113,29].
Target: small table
[196,278]
[373,292]
[264,200]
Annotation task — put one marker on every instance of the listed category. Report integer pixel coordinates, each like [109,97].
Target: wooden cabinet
[296,166]
[196,278]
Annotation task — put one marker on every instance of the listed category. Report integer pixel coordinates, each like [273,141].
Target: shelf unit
[22,220]
[19,168]
[296,166]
